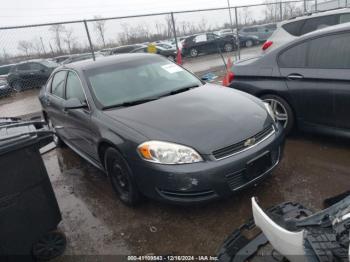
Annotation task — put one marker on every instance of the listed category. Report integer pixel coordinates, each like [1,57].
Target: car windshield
[135,80]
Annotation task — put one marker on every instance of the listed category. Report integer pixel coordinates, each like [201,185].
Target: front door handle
[295,77]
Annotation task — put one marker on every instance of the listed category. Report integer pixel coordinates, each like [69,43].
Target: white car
[295,27]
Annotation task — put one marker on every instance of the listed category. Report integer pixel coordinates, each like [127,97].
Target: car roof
[106,60]
[318,14]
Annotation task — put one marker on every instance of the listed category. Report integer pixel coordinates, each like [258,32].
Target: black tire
[193,52]
[228,47]
[249,43]
[51,245]
[121,177]
[17,85]
[289,126]
[56,139]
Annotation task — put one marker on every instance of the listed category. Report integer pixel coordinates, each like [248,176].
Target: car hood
[206,118]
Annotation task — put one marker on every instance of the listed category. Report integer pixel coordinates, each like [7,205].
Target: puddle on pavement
[97,223]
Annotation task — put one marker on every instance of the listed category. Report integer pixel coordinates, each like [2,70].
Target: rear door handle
[295,77]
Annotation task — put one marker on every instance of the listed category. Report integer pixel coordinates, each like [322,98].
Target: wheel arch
[286,98]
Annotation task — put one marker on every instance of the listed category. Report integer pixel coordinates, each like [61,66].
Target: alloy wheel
[279,110]
[194,52]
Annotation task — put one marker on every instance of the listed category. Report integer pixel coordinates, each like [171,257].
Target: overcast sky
[21,12]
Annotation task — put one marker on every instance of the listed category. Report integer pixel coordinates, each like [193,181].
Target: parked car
[139,117]
[206,43]
[306,81]
[5,88]
[262,32]
[293,28]
[244,40]
[30,74]
[162,49]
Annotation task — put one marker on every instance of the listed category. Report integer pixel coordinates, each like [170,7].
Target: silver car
[291,29]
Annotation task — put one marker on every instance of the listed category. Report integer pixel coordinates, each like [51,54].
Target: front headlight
[167,153]
[270,111]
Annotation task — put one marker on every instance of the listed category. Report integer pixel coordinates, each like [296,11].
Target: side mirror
[73,103]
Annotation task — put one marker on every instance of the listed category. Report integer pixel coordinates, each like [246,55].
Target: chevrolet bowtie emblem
[249,142]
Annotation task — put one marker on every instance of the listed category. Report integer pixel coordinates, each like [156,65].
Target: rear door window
[58,81]
[330,52]
[294,57]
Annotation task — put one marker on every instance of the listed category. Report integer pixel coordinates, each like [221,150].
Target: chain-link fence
[240,28]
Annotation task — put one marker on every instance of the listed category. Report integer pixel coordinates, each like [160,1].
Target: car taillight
[231,77]
[266,45]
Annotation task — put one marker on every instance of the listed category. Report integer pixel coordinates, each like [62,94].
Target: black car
[159,131]
[305,81]
[30,74]
[206,43]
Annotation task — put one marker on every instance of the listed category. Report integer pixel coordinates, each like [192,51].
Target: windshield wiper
[180,90]
[130,103]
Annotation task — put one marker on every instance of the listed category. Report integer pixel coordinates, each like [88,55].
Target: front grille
[188,195]
[235,148]
[239,179]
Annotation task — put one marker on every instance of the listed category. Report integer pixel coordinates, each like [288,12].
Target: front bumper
[208,180]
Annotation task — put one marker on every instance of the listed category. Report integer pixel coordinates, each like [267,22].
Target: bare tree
[169,26]
[100,28]
[69,39]
[203,25]
[57,31]
[36,46]
[25,46]
[246,16]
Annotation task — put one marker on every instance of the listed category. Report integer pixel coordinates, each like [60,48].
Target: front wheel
[282,110]
[121,177]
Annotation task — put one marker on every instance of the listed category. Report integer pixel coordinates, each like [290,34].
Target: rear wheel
[121,177]
[193,52]
[283,112]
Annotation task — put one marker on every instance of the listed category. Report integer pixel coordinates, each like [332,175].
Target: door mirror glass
[73,103]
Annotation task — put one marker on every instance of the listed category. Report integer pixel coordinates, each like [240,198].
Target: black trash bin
[29,213]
